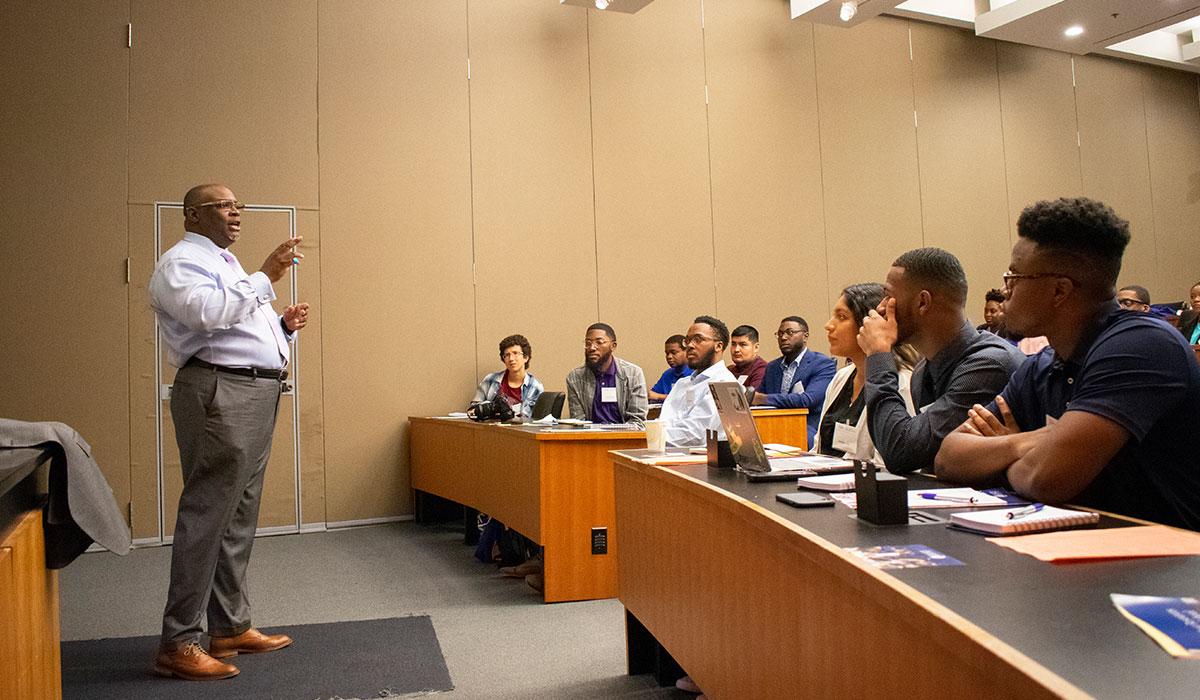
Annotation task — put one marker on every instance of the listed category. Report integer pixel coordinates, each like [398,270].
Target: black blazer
[1187,323]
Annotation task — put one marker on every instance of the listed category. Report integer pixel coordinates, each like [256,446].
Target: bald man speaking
[231,349]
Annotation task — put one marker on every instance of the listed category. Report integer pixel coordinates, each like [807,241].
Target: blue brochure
[1172,622]
[903,556]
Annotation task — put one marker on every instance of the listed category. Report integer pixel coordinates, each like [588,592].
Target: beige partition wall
[868,149]
[398,319]
[654,243]
[768,212]
[224,91]
[531,193]
[1112,156]
[960,149]
[1037,105]
[64,348]
[1173,136]
[694,157]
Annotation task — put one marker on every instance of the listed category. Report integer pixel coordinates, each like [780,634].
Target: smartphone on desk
[804,499]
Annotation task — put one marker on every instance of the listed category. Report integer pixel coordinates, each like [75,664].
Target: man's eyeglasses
[697,339]
[785,334]
[224,204]
[1131,303]
[588,344]
[1010,277]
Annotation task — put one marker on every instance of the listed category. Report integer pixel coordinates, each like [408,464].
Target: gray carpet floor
[498,638]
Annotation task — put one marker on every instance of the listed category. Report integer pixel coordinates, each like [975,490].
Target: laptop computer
[747,446]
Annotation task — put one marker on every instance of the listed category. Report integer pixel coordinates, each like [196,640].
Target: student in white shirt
[689,409]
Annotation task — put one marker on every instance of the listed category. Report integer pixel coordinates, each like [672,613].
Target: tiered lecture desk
[756,599]
[552,487]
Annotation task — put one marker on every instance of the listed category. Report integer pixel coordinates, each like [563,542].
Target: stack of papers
[1105,543]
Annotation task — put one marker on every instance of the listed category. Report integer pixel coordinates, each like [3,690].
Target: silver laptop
[747,447]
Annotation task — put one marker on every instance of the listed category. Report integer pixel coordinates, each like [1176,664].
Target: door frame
[292,387]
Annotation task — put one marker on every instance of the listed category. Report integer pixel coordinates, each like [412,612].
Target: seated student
[993,312]
[926,308]
[677,368]
[747,366]
[843,431]
[1106,416]
[690,409]
[606,389]
[1189,319]
[800,377]
[1134,298]
[518,387]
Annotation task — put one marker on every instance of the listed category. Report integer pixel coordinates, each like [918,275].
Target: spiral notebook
[1000,522]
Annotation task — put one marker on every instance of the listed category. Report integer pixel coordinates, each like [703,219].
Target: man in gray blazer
[606,389]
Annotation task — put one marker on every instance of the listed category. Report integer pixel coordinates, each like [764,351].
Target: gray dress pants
[223,424]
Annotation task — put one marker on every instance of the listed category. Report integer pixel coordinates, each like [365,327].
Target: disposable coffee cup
[656,437]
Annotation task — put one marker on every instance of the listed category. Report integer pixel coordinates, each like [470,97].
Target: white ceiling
[1162,32]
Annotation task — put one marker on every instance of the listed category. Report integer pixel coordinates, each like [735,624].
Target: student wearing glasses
[1106,416]
[606,389]
[1134,298]
[515,383]
[689,409]
[800,377]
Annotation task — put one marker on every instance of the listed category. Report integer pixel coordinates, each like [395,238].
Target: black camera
[496,409]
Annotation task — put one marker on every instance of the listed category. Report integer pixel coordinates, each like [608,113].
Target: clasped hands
[984,423]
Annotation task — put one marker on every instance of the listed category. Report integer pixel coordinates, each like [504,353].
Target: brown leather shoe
[249,642]
[536,582]
[190,662]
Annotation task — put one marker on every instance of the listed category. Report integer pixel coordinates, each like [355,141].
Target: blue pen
[1022,512]
[939,497]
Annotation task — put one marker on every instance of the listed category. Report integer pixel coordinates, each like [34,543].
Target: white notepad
[827,482]
[997,522]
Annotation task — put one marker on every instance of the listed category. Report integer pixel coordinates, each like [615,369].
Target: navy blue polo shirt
[1139,373]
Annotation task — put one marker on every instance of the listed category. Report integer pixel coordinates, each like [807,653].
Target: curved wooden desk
[552,487]
[759,600]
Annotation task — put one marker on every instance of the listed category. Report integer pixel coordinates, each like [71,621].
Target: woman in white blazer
[843,430]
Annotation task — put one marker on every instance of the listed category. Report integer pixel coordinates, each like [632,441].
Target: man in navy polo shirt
[1107,415]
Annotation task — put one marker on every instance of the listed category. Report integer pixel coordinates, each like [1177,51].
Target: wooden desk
[552,487]
[759,600]
[29,622]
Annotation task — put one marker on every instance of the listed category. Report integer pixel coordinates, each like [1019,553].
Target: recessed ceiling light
[1074,30]
[848,10]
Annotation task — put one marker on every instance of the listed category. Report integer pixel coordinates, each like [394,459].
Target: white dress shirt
[689,409]
[210,309]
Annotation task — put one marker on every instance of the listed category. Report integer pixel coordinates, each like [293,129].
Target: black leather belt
[277,374]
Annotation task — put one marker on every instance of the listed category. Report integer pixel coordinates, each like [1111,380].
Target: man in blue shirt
[1105,416]
[799,378]
[677,368]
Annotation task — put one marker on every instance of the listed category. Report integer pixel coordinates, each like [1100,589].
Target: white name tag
[742,379]
[608,394]
[798,388]
[845,438]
